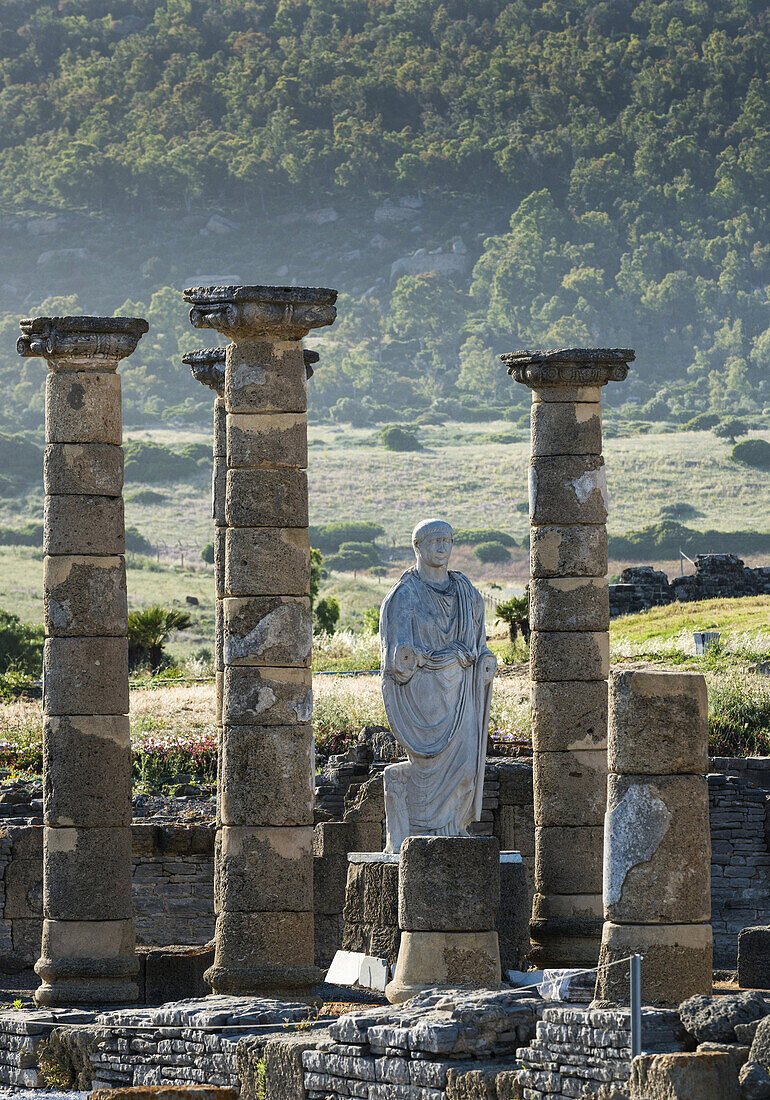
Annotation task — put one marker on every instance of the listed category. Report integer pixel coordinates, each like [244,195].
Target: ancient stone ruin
[264,866]
[630,858]
[569,652]
[87,954]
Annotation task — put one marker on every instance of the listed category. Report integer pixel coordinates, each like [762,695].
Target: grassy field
[467,477]
[462,473]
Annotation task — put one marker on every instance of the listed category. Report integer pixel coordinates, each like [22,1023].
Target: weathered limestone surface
[87,951]
[703,1075]
[569,648]
[657,842]
[263,866]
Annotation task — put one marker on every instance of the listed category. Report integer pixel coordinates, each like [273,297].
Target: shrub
[136,543]
[21,645]
[328,537]
[731,429]
[372,620]
[399,439]
[664,540]
[155,462]
[31,534]
[145,496]
[679,510]
[752,452]
[207,553]
[20,459]
[491,552]
[327,614]
[353,556]
[471,537]
[700,423]
[148,631]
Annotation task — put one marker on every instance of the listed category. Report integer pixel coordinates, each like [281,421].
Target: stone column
[88,928]
[208,368]
[657,841]
[569,648]
[264,865]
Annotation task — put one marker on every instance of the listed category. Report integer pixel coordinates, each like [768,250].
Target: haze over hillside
[592,174]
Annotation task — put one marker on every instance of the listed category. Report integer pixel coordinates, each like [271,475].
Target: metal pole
[636,1005]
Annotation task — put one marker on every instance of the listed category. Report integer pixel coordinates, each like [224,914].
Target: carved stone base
[430,959]
[566,930]
[293,983]
[87,962]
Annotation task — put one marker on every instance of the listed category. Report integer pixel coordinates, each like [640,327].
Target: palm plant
[515,612]
[149,629]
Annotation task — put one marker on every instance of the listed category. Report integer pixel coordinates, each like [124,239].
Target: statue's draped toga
[439,710]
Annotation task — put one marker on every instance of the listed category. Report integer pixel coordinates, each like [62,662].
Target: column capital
[208,367]
[572,367]
[80,343]
[261,312]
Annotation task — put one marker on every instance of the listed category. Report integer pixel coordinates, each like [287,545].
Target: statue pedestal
[448,897]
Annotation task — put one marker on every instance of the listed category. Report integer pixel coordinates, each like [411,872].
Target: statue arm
[400,656]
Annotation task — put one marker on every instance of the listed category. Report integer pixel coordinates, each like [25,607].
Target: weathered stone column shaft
[657,839]
[88,933]
[263,866]
[569,648]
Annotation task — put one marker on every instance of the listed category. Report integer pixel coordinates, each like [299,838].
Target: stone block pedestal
[448,897]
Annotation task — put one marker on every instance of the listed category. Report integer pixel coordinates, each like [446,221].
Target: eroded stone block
[658,723]
[267,439]
[568,489]
[266,498]
[267,561]
[94,469]
[578,551]
[569,603]
[570,787]
[87,874]
[85,596]
[258,869]
[569,715]
[87,770]
[566,428]
[85,675]
[267,775]
[569,655]
[83,407]
[657,840]
[80,524]
[268,630]
[267,696]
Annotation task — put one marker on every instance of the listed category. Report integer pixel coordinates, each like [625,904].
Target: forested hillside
[591,172]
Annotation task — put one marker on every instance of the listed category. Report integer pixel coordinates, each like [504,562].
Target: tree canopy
[606,164]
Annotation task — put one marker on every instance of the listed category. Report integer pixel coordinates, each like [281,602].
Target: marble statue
[437,673]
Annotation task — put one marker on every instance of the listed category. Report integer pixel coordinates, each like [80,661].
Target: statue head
[432,541]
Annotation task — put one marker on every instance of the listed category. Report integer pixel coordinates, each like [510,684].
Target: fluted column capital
[208,367]
[574,367]
[80,343]
[261,312]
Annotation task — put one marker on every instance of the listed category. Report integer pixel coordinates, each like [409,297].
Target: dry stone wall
[172,887]
[716,575]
